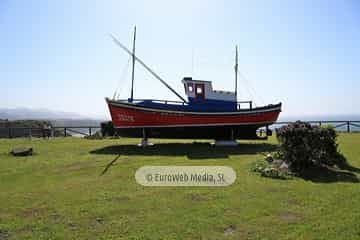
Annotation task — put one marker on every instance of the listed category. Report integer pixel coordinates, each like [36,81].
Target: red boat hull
[131,119]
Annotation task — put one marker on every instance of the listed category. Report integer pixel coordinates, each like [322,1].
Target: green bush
[107,129]
[260,165]
[303,145]
[96,135]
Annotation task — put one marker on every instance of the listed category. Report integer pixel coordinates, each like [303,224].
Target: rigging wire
[250,94]
[121,79]
[252,91]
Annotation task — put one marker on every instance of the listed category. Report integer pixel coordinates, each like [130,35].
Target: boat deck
[241,106]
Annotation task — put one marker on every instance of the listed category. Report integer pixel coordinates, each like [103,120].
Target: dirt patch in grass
[276,190]
[233,212]
[72,226]
[198,197]
[119,199]
[293,202]
[97,223]
[56,218]
[78,166]
[24,231]
[125,161]
[35,212]
[291,217]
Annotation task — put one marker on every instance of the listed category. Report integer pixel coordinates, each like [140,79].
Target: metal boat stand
[144,141]
[231,142]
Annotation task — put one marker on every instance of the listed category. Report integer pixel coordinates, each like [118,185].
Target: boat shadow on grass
[205,151]
[194,151]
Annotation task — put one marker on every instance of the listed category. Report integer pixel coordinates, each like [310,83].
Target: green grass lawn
[61,193]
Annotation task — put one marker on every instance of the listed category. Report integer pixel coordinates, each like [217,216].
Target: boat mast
[236,70]
[133,67]
[146,67]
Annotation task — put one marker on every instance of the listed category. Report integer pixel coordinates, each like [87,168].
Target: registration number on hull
[125,118]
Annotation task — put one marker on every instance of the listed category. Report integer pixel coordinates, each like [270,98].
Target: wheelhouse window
[198,90]
[190,87]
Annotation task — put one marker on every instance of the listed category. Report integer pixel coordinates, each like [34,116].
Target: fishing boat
[205,113]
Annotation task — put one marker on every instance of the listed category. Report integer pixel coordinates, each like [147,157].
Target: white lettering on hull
[125,118]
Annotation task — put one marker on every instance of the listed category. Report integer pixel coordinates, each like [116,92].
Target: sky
[58,54]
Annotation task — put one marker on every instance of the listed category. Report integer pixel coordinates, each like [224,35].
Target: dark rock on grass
[229,230]
[22,151]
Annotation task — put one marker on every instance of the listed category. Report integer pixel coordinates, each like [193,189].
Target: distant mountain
[27,113]
[76,122]
[57,118]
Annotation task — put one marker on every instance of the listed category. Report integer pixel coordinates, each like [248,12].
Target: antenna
[236,70]
[133,67]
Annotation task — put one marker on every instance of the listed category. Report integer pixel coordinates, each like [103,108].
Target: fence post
[320,123]
[10,132]
[348,126]
[65,132]
[30,132]
[89,131]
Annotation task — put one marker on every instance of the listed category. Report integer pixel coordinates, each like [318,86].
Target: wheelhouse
[201,93]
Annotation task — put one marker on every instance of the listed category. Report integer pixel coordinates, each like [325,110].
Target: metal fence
[341,126]
[82,131]
[59,131]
